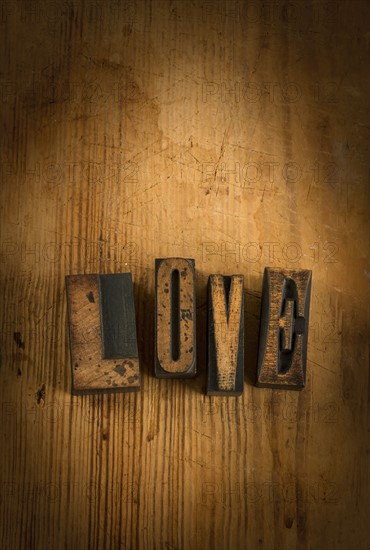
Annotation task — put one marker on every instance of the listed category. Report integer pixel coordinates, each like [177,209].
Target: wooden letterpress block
[225,346]
[175,316]
[102,330]
[284,329]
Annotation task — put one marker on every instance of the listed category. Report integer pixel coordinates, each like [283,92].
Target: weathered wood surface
[284,325]
[234,133]
[103,350]
[225,335]
[175,318]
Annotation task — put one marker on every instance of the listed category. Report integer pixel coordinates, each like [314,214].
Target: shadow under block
[175,318]
[102,331]
[225,342]
[284,329]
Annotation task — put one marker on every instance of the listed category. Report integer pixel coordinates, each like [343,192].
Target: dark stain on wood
[18,340]
[40,394]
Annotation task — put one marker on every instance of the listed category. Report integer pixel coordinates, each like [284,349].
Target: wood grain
[234,133]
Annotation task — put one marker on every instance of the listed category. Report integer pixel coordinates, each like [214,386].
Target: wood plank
[231,132]
[175,318]
[284,324]
[225,346]
[91,371]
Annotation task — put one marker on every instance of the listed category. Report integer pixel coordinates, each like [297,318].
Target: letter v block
[102,331]
[175,342]
[284,329]
[225,347]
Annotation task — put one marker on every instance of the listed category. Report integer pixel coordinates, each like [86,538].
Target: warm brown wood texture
[90,371]
[284,325]
[225,349]
[175,318]
[231,132]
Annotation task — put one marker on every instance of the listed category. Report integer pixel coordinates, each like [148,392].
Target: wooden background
[230,132]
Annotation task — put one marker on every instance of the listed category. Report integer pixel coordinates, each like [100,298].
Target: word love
[103,341]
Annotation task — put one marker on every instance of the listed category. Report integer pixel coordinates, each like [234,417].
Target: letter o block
[175,318]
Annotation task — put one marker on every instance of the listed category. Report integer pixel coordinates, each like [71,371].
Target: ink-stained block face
[284,329]
[102,329]
[225,347]
[175,341]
